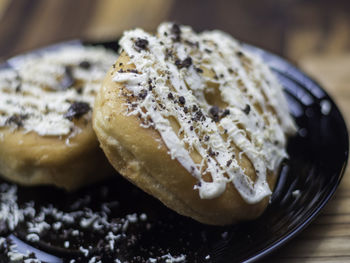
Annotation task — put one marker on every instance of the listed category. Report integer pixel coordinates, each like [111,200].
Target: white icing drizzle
[169,82]
[34,90]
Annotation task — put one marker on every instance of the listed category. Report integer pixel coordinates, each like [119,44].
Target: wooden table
[313,34]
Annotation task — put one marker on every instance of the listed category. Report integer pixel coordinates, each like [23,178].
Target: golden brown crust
[31,159]
[140,155]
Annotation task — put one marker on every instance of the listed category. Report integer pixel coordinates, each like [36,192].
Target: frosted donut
[196,121]
[46,100]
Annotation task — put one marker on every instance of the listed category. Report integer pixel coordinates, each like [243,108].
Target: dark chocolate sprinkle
[246,110]
[182,100]
[199,70]
[228,163]
[16,119]
[185,109]
[206,138]
[170,96]
[19,87]
[194,108]
[85,64]
[199,116]
[143,93]
[239,53]
[211,152]
[191,43]
[76,110]
[214,111]
[225,113]
[141,44]
[186,63]
[168,53]
[68,79]
[176,31]
[80,90]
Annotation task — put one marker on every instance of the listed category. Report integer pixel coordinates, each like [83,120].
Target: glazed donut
[46,99]
[195,120]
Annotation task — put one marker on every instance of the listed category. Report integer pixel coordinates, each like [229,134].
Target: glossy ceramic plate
[318,157]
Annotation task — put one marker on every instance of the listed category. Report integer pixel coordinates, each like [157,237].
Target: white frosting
[34,91]
[243,81]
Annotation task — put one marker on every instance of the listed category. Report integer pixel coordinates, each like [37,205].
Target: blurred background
[292,28]
[314,34]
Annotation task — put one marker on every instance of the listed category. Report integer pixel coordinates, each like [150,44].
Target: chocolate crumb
[208,51]
[228,163]
[214,111]
[199,116]
[194,108]
[80,90]
[16,119]
[76,110]
[68,80]
[85,64]
[176,31]
[141,44]
[191,128]
[170,96]
[143,93]
[168,53]
[199,70]
[185,109]
[182,100]
[246,110]
[225,113]
[186,63]
[18,88]
[239,53]
[211,152]
[206,138]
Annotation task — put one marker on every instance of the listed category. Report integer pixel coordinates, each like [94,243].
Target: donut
[196,120]
[46,101]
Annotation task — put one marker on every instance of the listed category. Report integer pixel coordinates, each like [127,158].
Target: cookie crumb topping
[45,91]
[225,100]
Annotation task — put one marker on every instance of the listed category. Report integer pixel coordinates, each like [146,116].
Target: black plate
[318,157]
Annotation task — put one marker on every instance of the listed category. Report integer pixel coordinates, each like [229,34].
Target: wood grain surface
[314,34]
